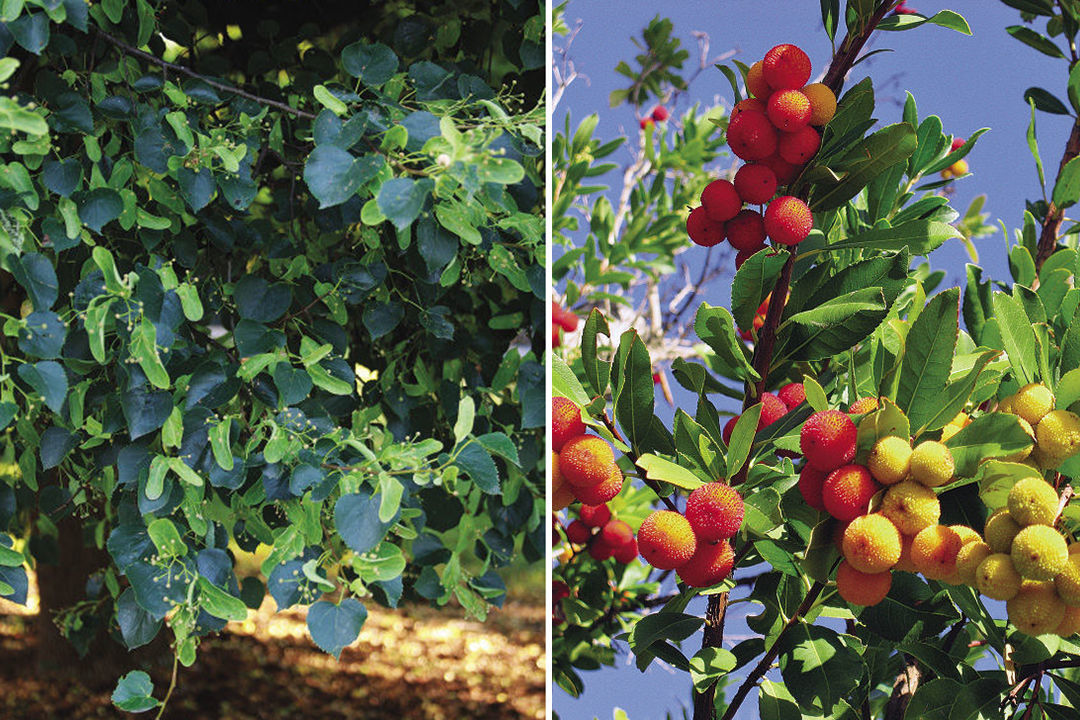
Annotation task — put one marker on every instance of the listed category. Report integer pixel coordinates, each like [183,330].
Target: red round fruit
[786,67]
[772,409]
[566,422]
[847,490]
[595,516]
[600,551]
[702,230]
[720,201]
[556,335]
[627,552]
[586,460]
[562,317]
[710,564]
[810,482]
[792,395]
[602,492]
[799,147]
[559,591]
[729,427]
[715,512]
[749,104]
[755,183]
[751,136]
[645,123]
[578,532]
[784,171]
[827,440]
[788,220]
[616,533]
[659,113]
[746,231]
[744,255]
[755,81]
[957,143]
[666,540]
[789,110]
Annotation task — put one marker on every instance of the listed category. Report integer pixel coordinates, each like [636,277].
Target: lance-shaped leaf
[920,237]
[863,163]
[754,280]
[924,373]
[832,327]
[636,391]
[716,328]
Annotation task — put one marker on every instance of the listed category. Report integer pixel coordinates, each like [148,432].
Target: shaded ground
[413,664]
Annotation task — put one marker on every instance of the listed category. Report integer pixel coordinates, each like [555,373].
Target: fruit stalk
[704,702]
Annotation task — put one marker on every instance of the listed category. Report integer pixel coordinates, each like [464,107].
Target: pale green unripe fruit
[996,577]
[1033,501]
[1036,609]
[1058,434]
[1039,552]
[932,464]
[890,460]
[1067,581]
[1032,402]
[1000,530]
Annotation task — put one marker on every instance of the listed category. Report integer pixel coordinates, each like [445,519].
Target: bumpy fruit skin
[904,563]
[1000,531]
[702,230]
[786,67]
[934,550]
[863,405]
[969,559]
[1032,402]
[871,543]
[1039,552]
[822,103]
[578,532]
[785,172]
[666,540]
[602,492]
[586,461]
[595,516]
[811,481]
[772,409]
[799,147]
[755,82]
[715,512]
[755,183]
[751,136]
[847,491]
[562,492]
[746,231]
[932,464]
[789,110]
[788,220]
[911,506]
[1070,624]
[566,421]
[890,460]
[751,103]
[616,533]
[827,439]
[967,535]
[720,201]
[1067,581]
[627,552]
[1033,501]
[996,577]
[1036,609]
[792,395]
[710,564]
[1058,434]
[859,588]
[729,427]
[600,551]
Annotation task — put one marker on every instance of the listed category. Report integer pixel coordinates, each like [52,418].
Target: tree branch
[1054,215]
[142,54]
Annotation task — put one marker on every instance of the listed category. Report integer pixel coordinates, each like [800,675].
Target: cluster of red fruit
[583,466]
[658,114]
[759,316]
[773,406]
[605,536]
[774,132]
[695,544]
[562,320]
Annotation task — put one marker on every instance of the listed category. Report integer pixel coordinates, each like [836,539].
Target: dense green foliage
[862,319]
[272,277]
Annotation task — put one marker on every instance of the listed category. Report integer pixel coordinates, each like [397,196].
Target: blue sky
[969,82]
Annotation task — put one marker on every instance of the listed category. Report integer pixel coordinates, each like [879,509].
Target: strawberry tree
[892,490]
[271,283]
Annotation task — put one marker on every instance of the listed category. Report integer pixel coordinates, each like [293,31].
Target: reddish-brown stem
[842,62]
[1054,215]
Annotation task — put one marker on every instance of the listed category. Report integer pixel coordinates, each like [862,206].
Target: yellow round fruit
[955,425]
[1039,552]
[860,588]
[822,103]
[904,563]
[1033,501]
[934,550]
[967,535]
[1070,624]
[996,577]
[1032,402]
[890,460]
[562,494]
[932,464]
[1067,581]
[1036,609]
[871,543]
[1000,530]
[969,559]
[1058,434]
[911,506]
[1005,405]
